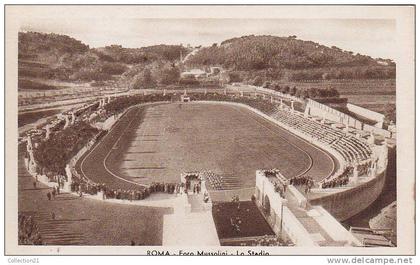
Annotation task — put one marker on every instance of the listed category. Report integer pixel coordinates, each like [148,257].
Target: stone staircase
[56,231]
[310,224]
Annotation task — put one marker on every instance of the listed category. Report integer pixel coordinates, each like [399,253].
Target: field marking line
[112,148]
[141,105]
[282,137]
[147,125]
[312,145]
[81,164]
[235,104]
[97,144]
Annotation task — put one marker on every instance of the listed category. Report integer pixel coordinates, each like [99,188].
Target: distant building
[215,70]
[382,62]
[197,73]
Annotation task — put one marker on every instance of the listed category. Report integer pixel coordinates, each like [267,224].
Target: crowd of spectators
[364,168]
[352,149]
[279,188]
[306,181]
[302,180]
[339,181]
[215,181]
[82,186]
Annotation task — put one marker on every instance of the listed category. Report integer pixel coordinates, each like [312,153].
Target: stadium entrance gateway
[270,195]
[190,180]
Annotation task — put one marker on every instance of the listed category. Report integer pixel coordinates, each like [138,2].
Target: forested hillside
[59,57]
[290,58]
[252,59]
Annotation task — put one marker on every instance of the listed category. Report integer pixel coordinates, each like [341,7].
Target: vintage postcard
[209,130]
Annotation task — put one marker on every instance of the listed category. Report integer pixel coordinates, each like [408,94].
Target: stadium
[239,166]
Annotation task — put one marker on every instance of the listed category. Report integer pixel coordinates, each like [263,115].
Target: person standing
[49,196]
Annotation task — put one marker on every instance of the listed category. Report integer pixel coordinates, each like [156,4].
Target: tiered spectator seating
[352,149]
[215,181]
[218,182]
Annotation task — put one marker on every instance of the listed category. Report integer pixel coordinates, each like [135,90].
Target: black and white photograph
[209,130]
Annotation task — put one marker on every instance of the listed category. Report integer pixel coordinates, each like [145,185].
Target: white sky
[374,37]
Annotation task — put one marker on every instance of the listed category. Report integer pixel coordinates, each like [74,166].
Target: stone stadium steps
[231,182]
[56,231]
[53,232]
[223,182]
[350,147]
[310,224]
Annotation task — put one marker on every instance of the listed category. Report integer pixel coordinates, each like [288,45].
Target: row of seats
[351,148]
[215,181]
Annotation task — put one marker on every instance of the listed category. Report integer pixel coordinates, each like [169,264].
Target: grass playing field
[158,143]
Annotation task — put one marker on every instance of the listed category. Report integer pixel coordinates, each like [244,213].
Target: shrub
[53,154]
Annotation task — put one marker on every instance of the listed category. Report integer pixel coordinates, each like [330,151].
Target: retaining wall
[346,204]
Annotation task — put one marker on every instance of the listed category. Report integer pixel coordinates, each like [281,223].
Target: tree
[113,68]
[234,77]
[276,87]
[53,154]
[286,89]
[292,91]
[169,76]
[390,113]
[147,78]
[266,84]
[313,92]
[298,92]
[143,80]
[304,94]
[258,81]
[332,92]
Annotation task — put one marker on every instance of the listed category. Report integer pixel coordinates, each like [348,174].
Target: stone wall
[371,115]
[318,109]
[280,218]
[345,204]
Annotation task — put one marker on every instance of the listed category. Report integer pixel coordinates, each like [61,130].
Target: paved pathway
[190,228]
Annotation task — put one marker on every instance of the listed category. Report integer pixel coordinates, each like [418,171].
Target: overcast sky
[374,37]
